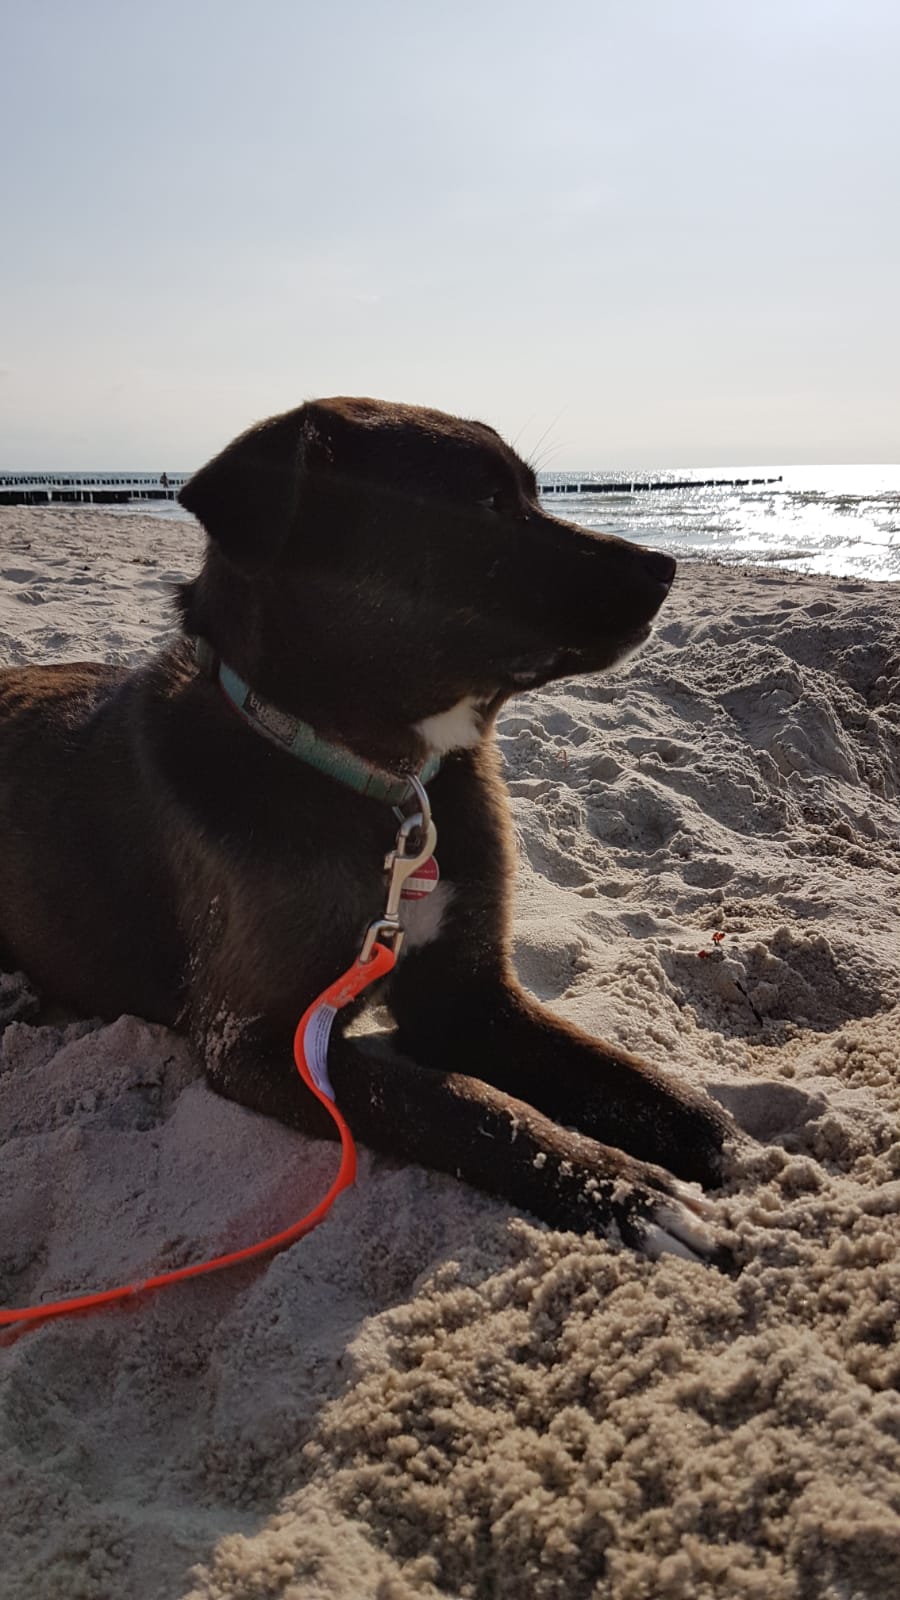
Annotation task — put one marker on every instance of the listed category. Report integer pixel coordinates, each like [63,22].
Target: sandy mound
[432,1395]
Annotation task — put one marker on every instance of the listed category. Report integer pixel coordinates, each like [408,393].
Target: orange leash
[310,1056]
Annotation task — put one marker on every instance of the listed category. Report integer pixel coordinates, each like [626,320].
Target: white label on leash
[315,1046]
[421,882]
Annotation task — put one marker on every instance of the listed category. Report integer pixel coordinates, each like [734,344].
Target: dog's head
[375,565]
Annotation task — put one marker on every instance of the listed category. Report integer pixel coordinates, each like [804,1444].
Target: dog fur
[387,574]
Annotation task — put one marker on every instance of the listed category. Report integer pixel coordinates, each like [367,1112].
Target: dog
[378,580]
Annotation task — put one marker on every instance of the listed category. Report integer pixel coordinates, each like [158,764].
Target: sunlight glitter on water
[837,520]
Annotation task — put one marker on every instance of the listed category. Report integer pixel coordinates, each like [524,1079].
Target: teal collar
[299,739]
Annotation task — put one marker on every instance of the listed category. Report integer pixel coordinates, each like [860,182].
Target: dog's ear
[247,497]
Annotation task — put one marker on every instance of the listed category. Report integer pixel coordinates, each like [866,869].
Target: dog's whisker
[534,452]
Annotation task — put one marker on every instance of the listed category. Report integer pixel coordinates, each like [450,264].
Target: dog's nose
[659,566]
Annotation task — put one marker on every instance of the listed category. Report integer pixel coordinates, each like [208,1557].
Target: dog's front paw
[678,1220]
[646,1207]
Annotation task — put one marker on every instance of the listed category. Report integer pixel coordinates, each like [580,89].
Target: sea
[838,521]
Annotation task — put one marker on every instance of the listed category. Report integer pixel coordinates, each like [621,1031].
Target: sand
[433,1395]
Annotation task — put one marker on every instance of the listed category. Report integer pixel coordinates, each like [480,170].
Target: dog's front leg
[459,1007]
[454,1123]
[481,1022]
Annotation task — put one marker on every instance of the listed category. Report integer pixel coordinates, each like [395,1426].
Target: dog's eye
[498,502]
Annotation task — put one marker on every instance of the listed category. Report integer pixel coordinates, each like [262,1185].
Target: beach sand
[433,1395]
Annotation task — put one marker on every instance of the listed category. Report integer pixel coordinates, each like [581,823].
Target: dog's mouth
[531,672]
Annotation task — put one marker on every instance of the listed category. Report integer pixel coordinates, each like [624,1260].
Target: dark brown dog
[387,575]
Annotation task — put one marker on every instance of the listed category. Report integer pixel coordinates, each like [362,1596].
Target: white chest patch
[456,729]
[421,919]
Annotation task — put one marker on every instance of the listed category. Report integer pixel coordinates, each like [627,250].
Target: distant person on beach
[164,480]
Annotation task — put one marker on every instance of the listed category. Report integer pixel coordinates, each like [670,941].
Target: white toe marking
[657,1242]
[688,1227]
[456,729]
[421,919]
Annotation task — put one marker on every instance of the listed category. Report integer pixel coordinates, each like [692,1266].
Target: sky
[627,233]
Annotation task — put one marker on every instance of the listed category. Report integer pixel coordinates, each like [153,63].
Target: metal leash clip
[416,839]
